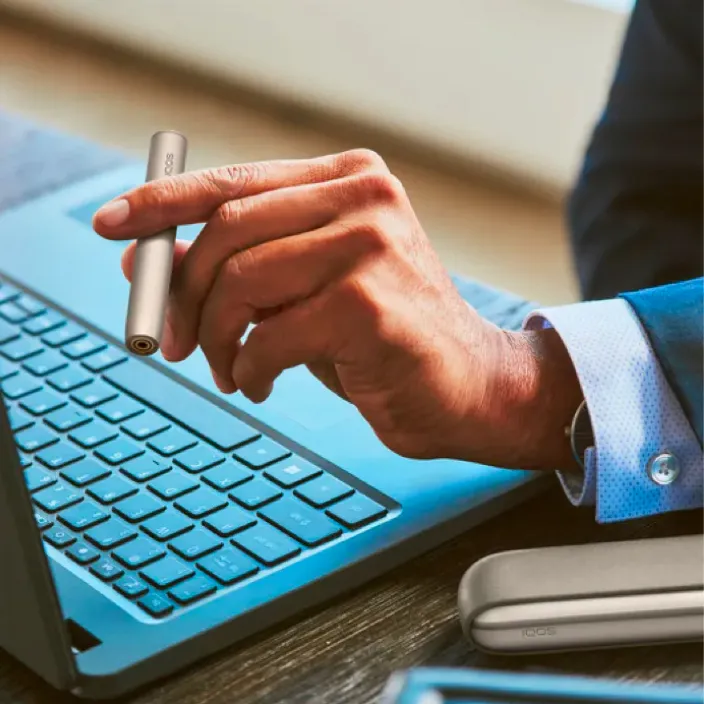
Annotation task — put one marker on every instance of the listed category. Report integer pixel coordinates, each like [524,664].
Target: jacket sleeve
[638,359]
[635,215]
[673,319]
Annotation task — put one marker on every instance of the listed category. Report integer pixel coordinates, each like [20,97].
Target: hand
[327,258]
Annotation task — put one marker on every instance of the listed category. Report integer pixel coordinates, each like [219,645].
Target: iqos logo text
[539,632]
[169,164]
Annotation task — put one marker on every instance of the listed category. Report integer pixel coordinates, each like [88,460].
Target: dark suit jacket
[673,319]
[635,215]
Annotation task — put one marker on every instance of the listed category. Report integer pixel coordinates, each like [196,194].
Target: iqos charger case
[586,596]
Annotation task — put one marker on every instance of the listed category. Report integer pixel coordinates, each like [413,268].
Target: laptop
[429,685]
[149,520]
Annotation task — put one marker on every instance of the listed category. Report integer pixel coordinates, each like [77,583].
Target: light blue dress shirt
[634,413]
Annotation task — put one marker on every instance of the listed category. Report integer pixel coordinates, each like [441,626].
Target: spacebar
[202,417]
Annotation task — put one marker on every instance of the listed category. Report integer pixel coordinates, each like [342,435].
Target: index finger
[194,196]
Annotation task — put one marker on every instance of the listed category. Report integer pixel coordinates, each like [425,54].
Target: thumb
[180,249]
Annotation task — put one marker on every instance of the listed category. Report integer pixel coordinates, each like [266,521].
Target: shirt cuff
[634,414]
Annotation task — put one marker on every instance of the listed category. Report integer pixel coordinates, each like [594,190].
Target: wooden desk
[343,652]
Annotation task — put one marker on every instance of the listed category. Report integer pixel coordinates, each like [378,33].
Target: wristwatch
[580,433]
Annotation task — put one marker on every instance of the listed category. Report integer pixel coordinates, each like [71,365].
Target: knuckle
[369,235]
[358,299]
[229,213]
[380,188]
[239,267]
[236,179]
[363,160]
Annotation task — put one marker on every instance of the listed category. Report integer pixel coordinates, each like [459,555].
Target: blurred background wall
[483,105]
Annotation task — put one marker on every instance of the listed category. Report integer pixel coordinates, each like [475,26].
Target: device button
[356,511]
[664,468]
[156,605]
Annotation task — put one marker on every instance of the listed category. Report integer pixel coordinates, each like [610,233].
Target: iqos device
[153,259]
[602,595]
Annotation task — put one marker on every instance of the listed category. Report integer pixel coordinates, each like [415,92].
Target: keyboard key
[19,385]
[66,419]
[110,534]
[266,544]
[35,438]
[228,521]
[84,515]
[200,503]
[255,493]
[226,476]
[84,472]
[7,332]
[106,570]
[192,590]
[261,453]
[59,455]
[219,427]
[43,323]
[167,572]
[41,402]
[24,460]
[198,459]
[92,434]
[167,525]
[144,468]
[93,394]
[57,497]
[42,521]
[139,507]
[119,451]
[82,554]
[195,544]
[106,359]
[7,369]
[59,537]
[63,335]
[356,511]
[18,420]
[228,566]
[301,522]
[138,553]
[47,362]
[292,472]
[156,605]
[324,491]
[36,478]
[20,349]
[30,305]
[146,425]
[130,587]
[172,485]
[111,489]
[83,347]
[13,313]
[121,409]
[8,292]
[171,441]
[68,379]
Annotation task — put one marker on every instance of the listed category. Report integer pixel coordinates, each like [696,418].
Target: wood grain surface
[344,651]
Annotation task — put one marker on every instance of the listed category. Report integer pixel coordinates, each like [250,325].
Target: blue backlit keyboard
[150,488]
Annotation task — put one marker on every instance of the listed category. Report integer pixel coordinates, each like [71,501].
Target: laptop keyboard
[165,509]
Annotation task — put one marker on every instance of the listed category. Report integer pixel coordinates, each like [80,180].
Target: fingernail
[113,213]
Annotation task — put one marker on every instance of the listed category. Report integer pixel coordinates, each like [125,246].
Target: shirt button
[664,468]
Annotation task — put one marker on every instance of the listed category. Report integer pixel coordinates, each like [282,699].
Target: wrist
[536,393]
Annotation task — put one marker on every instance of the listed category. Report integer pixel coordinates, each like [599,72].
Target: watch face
[581,434]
